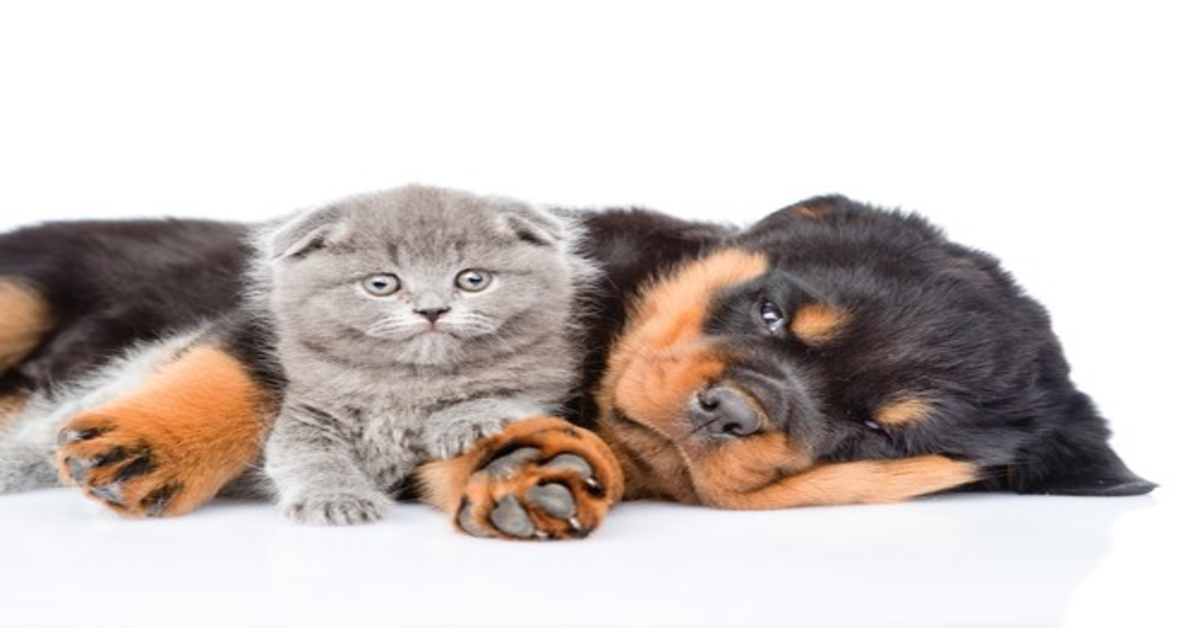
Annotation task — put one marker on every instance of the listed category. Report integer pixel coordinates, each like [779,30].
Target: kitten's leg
[541,478]
[314,472]
[454,429]
[170,443]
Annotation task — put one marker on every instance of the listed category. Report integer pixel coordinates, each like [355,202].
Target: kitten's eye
[771,316]
[473,280]
[381,285]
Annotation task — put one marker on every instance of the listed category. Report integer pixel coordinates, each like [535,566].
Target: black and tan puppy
[836,353]
[831,353]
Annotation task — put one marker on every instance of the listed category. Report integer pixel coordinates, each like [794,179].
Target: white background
[1063,137]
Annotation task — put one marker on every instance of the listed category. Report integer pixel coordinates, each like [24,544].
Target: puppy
[831,353]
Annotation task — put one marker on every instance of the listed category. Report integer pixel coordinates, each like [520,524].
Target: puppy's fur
[831,353]
[85,291]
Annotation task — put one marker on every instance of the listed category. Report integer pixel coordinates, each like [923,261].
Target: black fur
[113,283]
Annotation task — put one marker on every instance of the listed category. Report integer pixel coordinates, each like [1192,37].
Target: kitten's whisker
[395,328]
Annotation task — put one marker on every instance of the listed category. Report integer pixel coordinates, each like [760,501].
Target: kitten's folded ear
[304,233]
[533,225]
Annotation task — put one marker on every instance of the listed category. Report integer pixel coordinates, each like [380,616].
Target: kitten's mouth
[434,330]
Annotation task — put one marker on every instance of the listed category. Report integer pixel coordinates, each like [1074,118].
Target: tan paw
[169,446]
[139,471]
[544,479]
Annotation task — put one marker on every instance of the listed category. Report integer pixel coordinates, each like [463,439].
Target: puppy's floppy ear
[304,233]
[533,225]
[1076,459]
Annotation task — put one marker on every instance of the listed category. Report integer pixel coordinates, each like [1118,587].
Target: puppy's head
[829,332]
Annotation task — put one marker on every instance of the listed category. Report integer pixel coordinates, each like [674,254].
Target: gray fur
[375,388]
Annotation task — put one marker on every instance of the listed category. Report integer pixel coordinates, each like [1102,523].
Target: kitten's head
[421,276]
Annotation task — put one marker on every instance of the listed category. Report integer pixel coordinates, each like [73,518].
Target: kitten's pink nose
[433,313]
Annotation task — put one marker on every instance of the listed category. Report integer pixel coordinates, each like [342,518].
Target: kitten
[410,323]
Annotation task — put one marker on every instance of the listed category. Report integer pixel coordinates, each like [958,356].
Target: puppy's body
[831,353]
[103,286]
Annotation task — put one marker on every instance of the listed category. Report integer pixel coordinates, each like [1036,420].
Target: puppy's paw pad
[547,485]
[553,499]
[511,518]
[506,466]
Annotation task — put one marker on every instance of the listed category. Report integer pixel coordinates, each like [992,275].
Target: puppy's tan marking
[813,212]
[903,410]
[662,352]
[659,363]
[818,323]
[745,465]
[861,482]
[673,309]
[25,317]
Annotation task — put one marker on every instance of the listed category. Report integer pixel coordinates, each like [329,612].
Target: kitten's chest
[388,443]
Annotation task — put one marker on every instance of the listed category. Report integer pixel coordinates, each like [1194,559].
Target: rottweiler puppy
[831,353]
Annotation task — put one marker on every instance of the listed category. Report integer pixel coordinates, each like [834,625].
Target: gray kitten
[411,323]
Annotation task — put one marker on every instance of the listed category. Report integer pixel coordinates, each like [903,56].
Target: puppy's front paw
[336,509]
[547,480]
[452,439]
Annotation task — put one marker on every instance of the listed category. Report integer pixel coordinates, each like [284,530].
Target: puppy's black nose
[433,313]
[725,410]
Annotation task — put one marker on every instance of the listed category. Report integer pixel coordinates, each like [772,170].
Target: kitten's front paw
[336,509]
[452,439]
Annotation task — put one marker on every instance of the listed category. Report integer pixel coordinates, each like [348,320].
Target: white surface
[1060,136]
[978,560]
